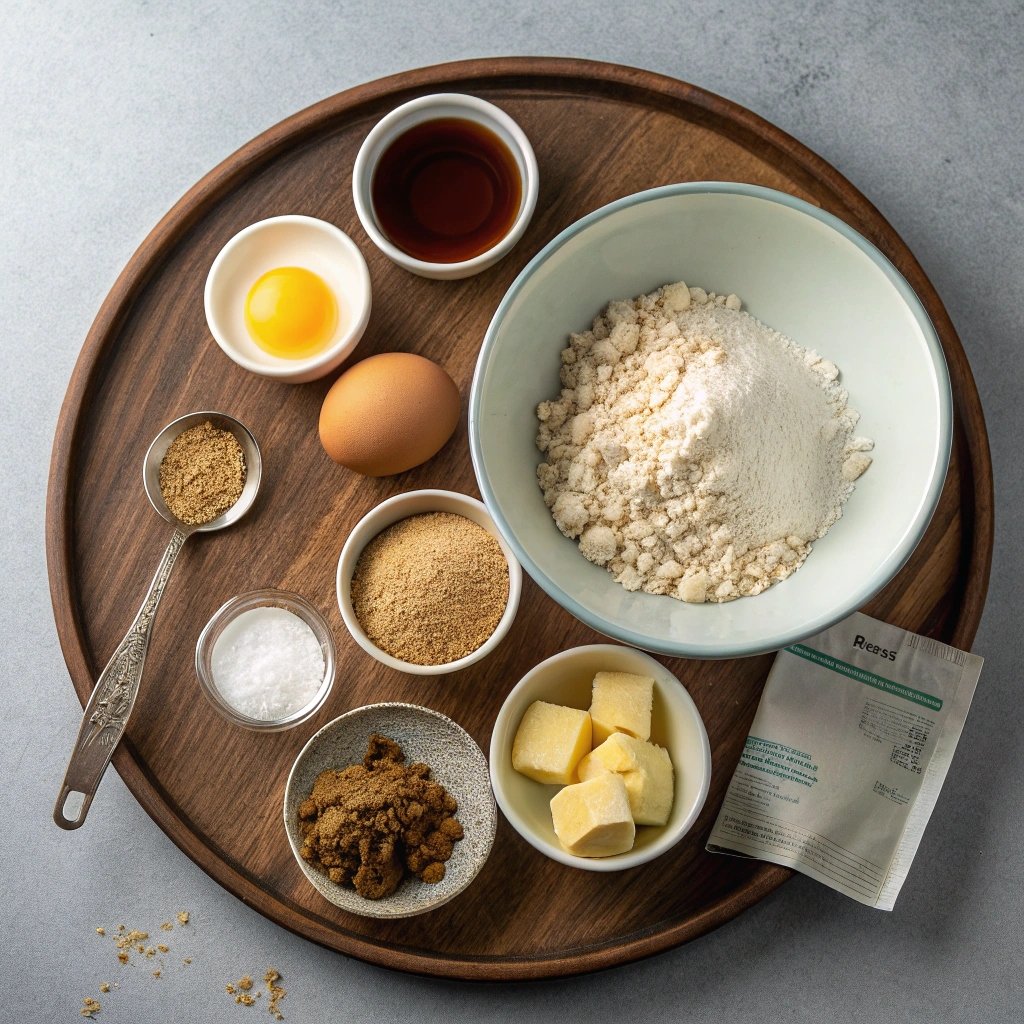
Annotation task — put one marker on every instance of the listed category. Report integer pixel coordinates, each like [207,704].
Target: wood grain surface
[600,132]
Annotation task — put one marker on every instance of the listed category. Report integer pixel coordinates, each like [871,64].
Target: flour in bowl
[694,451]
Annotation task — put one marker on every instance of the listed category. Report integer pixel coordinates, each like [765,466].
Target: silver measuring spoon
[113,697]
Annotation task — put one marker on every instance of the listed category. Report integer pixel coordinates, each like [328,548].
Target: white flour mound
[694,451]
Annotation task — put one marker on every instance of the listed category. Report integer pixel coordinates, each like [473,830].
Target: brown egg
[389,413]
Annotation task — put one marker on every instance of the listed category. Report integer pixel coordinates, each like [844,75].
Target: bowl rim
[362,180]
[622,861]
[289,369]
[348,615]
[449,723]
[885,572]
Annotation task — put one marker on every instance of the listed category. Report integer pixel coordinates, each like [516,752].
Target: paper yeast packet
[846,756]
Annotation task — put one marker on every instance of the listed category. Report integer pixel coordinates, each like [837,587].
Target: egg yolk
[291,313]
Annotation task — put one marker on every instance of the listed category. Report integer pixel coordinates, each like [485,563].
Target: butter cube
[590,766]
[592,818]
[550,742]
[621,702]
[647,772]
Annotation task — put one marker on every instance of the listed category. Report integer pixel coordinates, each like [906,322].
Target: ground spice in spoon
[430,589]
[202,474]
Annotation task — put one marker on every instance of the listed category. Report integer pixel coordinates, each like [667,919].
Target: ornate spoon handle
[113,698]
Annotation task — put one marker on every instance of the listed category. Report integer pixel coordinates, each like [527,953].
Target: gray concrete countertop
[111,110]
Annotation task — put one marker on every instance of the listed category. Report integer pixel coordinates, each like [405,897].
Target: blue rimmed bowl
[799,270]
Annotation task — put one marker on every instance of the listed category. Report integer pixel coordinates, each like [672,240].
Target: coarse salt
[267,663]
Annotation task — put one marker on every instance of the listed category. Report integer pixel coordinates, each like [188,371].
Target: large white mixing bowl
[799,270]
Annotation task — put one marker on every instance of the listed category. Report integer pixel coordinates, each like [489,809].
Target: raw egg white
[291,313]
[389,413]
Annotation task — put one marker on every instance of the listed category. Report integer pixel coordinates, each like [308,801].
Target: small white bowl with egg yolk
[288,298]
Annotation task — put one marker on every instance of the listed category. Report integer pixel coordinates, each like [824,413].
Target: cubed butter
[647,772]
[590,766]
[592,818]
[550,742]
[621,702]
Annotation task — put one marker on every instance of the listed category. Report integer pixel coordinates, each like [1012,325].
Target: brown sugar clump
[202,474]
[431,589]
[368,825]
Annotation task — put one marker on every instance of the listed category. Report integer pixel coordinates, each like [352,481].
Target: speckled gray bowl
[456,762]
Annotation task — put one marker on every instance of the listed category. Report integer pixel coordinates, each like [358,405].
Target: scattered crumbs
[187,960]
[91,1008]
[105,987]
[163,948]
[156,974]
[245,999]
[120,927]
[130,938]
[230,989]
[123,957]
[245,984]
[276,992]
[150,952]
[166,926]
[182,916]
[100,931]
[141,948]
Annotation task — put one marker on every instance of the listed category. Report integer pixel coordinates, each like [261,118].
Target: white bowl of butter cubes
[600,759]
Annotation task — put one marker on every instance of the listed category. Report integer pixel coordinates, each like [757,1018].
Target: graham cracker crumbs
[156,974]
[182,916]
[91,1008]
[187,960]
[245,999]
[150,952]
[276,992]
[105,987]
[141,948]
[245,984]
[100,931]
[230,989]
[123,957]
[163,948]
[130,938]
[167,927]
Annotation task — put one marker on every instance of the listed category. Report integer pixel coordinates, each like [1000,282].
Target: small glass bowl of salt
[266,660]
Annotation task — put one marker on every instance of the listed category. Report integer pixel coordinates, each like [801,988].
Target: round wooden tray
[600,132]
